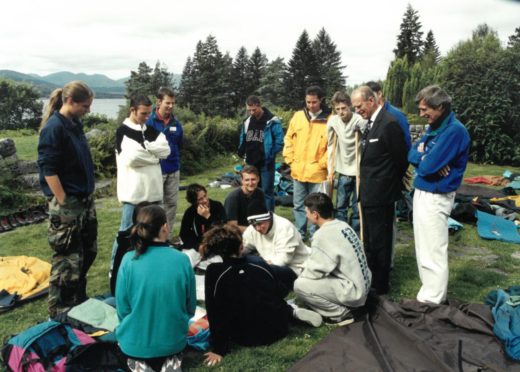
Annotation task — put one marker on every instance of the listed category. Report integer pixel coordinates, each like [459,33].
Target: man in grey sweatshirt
[336,276]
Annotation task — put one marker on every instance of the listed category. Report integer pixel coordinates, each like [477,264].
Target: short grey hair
[434,96]
[365,92]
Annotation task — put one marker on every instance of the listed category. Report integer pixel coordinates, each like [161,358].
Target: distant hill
[44,87]
[103,86]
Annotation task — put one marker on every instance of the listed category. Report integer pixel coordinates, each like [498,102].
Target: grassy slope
[476,267]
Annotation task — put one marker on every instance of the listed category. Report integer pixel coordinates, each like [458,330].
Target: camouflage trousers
[72,234]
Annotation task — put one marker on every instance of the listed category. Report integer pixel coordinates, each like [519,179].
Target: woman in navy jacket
[67,180]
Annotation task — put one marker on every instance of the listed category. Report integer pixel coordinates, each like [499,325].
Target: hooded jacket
[273,137]
[305,147]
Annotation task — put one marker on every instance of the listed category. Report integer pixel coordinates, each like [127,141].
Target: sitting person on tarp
[201,216]
[244,301]
[277,241]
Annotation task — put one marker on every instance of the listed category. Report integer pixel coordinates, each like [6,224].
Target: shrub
[92,120]
[19,105]
[102,148]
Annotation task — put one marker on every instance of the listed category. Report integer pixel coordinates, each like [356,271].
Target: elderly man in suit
[382,167]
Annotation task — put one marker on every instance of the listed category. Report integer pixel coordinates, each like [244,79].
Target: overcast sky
[112,36]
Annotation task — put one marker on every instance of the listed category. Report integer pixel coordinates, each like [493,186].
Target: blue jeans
[346,197]
[267,184]
[300,191]
[126,221]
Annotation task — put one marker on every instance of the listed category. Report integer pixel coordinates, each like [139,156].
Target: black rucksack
[101,356]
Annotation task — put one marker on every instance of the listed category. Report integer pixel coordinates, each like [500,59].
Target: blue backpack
[43,347]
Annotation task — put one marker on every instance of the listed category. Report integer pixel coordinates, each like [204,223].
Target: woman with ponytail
[155,296]
[67,180]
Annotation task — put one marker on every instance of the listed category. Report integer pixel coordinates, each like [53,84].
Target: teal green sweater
[155,298]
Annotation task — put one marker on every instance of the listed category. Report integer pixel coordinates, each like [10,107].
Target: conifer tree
[186,87]
[241,77]
[302,71]
[409,40]
[514,40]
[329,66]
[160,77]
[272,88]
[208,80]
[430,49]
[257,65]
[140,80]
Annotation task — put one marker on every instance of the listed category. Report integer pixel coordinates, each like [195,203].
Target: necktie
[365,134]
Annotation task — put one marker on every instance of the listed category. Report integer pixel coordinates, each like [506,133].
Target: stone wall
[25,171]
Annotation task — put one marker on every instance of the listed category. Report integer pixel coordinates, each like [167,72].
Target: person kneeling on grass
[277,241]
[155,296]
[244,301]
[336,276]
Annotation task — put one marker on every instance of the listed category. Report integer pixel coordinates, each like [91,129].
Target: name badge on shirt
[373,140]
[173,129]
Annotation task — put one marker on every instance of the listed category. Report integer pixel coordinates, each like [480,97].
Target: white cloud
[112,37]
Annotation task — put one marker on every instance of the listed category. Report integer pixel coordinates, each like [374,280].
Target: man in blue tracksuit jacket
[440,159]
[162,120]
[261,138]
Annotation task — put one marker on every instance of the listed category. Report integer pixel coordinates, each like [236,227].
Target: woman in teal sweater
[155,295]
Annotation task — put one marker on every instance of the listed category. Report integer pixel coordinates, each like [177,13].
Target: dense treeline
[482,76]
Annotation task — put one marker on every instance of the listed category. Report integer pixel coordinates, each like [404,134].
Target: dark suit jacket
[383,162]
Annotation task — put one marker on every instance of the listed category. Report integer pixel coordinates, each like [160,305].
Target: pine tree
[329,67]
[241,78]
[257,65]
[272,88]
[302,71]
[409,41]
[140,80]
[430,49]
[160,77]
[223,98]
[186,87]
[514,40]
[206,82]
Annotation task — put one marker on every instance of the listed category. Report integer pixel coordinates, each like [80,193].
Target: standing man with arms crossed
[162,120]
[382,167]
[305,150]
[440,159]
[139,148]
[261,138]
[341,131]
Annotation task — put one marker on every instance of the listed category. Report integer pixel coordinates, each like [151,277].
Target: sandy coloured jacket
[305,147]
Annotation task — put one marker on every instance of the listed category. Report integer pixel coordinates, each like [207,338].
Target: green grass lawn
[476,267]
